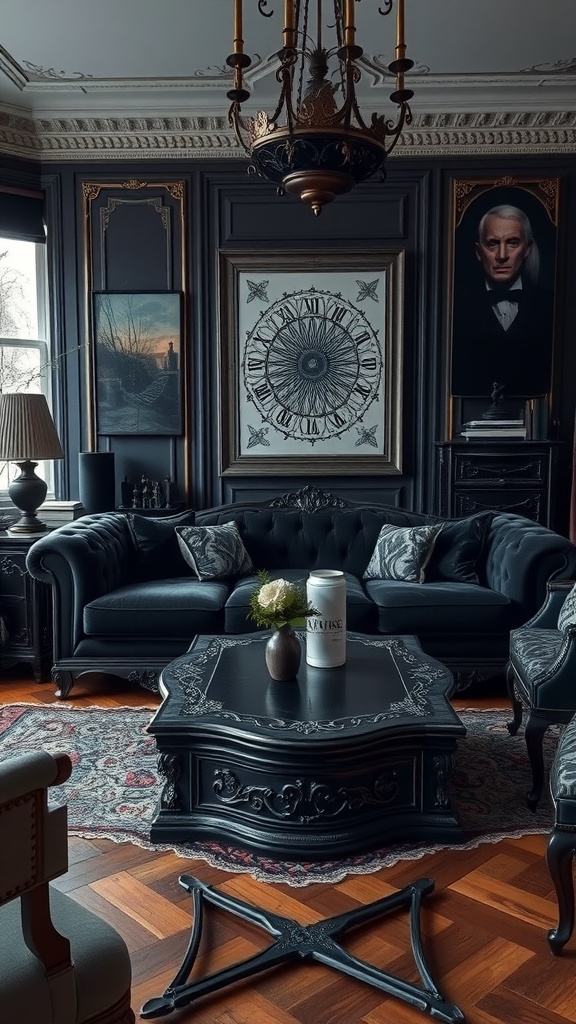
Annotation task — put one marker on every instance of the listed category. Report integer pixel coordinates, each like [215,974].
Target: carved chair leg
[63,681]
[559,854]
[516,722]
[534,735]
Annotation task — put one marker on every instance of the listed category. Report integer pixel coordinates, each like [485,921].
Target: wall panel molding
[135,240]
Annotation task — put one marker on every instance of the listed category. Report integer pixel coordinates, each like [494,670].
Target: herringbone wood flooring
[484,926]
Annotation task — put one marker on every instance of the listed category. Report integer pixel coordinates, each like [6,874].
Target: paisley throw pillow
[567,616]
[214,552]
[401,553]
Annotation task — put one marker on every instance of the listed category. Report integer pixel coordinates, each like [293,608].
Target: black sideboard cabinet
[510,476]
[25,609]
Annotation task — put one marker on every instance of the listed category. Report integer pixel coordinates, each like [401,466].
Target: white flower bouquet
[277,603]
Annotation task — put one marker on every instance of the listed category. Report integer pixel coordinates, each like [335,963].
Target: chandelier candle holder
[326,631]
[310,146]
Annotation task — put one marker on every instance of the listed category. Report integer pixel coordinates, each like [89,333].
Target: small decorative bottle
[326,632]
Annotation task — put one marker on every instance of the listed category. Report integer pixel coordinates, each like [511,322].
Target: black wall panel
[134,241]
[134,234]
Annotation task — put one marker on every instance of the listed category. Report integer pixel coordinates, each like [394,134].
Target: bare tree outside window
[23,339]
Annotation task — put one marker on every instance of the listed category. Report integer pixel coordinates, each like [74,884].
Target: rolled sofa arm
[81,561]
[522,556]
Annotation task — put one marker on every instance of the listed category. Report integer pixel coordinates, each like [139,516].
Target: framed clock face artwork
[310,362]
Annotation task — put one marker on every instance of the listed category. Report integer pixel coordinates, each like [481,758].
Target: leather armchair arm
[547,616]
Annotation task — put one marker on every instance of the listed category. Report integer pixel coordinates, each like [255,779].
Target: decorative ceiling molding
[128,138]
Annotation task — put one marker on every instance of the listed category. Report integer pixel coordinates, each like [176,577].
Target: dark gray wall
[221,207]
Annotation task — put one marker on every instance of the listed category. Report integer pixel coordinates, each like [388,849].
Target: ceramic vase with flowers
[280,605]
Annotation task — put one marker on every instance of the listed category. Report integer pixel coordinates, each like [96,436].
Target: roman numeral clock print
[312,368]
[313,358]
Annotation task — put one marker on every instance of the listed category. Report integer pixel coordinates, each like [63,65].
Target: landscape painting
[137,362]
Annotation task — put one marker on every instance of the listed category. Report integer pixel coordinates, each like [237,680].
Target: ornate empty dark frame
[310,347]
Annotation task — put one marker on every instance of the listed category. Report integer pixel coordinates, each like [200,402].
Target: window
[24,349]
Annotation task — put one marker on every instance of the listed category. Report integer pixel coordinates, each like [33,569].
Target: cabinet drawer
[524,502]
[509,469]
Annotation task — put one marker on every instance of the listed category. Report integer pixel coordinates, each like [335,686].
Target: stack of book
[56,513]
[494,428]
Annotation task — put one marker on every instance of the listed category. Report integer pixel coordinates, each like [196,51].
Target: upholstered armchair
[60,963]
[541,674]
[562,840]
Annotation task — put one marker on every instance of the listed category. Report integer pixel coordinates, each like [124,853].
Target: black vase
[283,654]
[97,485]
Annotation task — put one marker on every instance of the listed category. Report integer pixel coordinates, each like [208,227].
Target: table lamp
[27,434]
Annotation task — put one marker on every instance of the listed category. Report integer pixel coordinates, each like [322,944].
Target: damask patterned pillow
[567,616]
[401,553]
[214,552]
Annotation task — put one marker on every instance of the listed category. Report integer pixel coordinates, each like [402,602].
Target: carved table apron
[336,762]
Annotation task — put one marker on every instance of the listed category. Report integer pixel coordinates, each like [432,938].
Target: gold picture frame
[485,357]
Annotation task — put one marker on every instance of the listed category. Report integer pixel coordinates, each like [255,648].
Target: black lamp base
[28,493]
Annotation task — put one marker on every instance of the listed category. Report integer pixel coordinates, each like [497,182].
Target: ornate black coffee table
[336,762]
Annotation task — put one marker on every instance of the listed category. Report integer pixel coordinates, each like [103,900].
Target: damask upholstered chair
[541,674]
[60,964]
[562,841]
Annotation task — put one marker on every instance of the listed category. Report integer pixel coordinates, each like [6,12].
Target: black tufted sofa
[118,613]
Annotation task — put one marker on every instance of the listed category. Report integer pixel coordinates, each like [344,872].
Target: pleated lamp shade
[27,429]
[27,434]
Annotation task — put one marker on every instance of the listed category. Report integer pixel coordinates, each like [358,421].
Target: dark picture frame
[310,353]
[137,362]
[482,355]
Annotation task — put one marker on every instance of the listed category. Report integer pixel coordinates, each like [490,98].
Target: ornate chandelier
[320,149]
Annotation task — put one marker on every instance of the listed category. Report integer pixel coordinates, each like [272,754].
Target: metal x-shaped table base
[315,941]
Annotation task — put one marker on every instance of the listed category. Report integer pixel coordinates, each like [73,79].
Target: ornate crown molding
[122,138]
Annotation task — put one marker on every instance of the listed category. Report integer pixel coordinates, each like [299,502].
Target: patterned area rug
[114,787]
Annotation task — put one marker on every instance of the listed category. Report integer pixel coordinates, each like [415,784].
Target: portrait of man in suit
[503,309]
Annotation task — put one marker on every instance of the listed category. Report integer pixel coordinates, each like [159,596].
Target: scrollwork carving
[441,765]
[8,566]
[304,801]
[147,679]
[170,767]
[90,191]
[309,499]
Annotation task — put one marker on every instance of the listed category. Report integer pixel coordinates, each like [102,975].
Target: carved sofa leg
[534,736]
[516,722]
[63,681]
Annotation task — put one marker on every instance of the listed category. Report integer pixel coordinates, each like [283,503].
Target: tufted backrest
[333,538]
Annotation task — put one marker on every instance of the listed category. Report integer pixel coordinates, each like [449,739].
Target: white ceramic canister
[326,632]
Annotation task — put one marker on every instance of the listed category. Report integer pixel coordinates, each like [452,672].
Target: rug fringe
[298,874]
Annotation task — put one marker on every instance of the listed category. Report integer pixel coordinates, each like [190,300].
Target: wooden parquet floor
[484,926]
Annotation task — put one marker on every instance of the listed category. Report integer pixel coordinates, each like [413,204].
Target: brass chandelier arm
[316,144]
